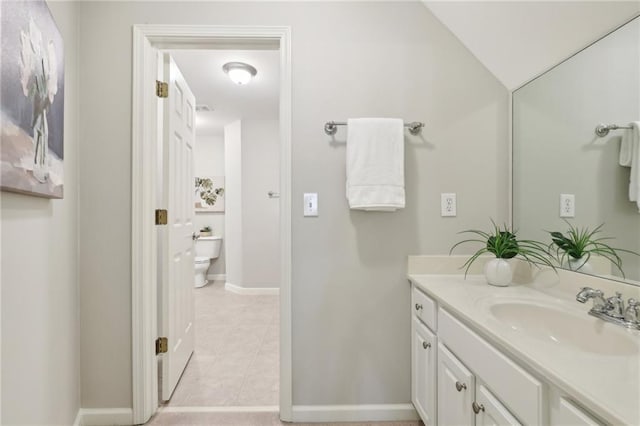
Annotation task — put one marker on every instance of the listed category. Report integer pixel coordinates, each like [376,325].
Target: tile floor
[236,357]
[247,419]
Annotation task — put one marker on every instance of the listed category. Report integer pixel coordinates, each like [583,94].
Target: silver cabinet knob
[460,386]
[418,306]
[426,345]
[477,407]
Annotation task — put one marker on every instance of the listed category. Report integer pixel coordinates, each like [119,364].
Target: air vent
[203,108]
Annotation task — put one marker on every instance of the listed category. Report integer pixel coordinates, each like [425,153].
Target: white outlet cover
[448,207]
[567,205]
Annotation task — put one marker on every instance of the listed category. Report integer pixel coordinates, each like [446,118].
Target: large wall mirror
[556,150]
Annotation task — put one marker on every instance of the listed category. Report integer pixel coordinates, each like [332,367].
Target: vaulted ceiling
[518,40]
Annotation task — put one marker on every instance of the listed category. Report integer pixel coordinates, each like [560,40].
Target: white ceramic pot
[498,272]
[580,265]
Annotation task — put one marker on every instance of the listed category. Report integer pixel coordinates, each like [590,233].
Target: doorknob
[273,194]
[195,236]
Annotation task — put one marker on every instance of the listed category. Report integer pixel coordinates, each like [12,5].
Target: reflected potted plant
[503,244]
[574,248]
[206,231]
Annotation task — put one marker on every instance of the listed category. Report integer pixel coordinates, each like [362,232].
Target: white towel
[634,176]
[375,164]
[626,147]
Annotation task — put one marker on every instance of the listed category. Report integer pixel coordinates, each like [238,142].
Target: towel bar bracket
[331,127]
[602,130]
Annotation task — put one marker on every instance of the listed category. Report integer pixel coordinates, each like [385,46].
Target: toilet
[207,248]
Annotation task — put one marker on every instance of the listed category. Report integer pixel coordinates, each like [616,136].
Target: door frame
[144,262]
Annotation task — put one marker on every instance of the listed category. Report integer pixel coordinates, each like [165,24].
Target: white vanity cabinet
[423,359]
[458,378]
[463,402]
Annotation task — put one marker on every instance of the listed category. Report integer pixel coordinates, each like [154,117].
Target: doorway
[235,358]
[148,39]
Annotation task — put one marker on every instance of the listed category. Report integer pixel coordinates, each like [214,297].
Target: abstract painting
[31,100]
[210,194]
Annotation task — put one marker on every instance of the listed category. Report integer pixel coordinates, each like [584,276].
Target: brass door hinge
[162,345]
[161,217]
[162,89]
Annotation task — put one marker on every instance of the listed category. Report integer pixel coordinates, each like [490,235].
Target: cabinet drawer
[517,389]
[424,307]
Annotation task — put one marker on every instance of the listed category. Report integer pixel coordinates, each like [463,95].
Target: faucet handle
[616,306]
[632,313]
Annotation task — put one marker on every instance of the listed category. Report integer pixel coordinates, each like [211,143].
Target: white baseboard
[217,277]
[78,420]
[105,416]
[251,291]
[354,413]
[237,409]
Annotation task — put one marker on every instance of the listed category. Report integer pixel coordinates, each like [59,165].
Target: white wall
[350,295]
[209,161]
[40,313]
[260,214]
[517,40]
[233,201]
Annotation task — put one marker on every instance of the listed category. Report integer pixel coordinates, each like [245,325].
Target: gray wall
[350,296]
[40,313]
[260,214]
[233,201]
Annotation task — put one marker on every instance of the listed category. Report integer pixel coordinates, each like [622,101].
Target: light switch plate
[310,204]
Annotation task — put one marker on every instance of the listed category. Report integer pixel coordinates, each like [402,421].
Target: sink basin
[565,328]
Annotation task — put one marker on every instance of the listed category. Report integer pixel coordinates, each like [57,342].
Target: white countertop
[608,385]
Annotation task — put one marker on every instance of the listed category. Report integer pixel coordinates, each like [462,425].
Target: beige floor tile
[236,354]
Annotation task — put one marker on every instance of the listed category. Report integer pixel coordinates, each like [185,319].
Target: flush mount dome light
[239,72]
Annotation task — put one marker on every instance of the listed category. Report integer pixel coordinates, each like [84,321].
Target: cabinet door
[570,415]
[423,372]
[491,411]
[456,387]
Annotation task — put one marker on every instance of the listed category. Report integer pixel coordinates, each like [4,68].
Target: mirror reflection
[565,175]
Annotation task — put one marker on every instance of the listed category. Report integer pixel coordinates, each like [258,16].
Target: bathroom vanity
[524,354]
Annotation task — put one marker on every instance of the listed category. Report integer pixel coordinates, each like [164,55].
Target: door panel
[494,413]
[424,368]
[177,310]
[456,386]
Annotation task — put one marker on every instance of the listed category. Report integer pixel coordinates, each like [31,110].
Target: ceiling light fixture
[239,72]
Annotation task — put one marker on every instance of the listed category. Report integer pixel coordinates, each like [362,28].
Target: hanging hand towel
[634,176]
[626,147]
[375,164]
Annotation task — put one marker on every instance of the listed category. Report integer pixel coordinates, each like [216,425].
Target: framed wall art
[32,100]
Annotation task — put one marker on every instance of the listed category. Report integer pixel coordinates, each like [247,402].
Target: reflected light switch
[311,204]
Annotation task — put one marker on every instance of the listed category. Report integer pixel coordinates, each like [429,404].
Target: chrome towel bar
[602,130]
[331,127]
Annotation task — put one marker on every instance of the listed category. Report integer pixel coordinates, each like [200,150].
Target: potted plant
[206,231]
[574,248]
[504,244]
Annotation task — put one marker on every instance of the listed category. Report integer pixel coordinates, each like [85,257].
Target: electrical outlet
[567,205]
[448,204]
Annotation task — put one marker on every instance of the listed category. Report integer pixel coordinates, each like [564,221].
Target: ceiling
[518,40]
[202,70]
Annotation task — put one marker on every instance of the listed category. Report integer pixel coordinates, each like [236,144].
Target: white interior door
[177,299]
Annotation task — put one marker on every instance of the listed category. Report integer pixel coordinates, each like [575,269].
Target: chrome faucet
[611,309]
[586,293]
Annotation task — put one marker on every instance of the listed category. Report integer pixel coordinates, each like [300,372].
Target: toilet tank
[208,247]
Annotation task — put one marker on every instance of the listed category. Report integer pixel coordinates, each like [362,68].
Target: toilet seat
[200,259]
